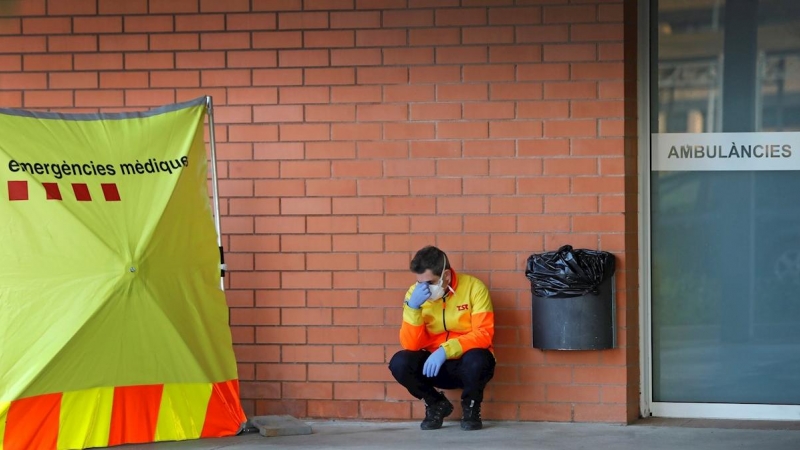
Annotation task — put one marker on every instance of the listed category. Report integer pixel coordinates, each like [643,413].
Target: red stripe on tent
[81,192]
[110,192]
[17,190]
[134,415]
[32,423]
[224,415]
[53,193]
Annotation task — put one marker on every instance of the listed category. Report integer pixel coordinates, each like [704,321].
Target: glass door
[725,244]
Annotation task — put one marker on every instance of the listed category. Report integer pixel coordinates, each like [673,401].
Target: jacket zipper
[444,322]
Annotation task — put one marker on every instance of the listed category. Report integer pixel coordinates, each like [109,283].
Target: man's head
[430,264]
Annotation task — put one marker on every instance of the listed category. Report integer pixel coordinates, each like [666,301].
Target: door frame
[648,407]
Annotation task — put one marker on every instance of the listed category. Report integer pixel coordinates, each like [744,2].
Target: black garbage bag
[567,273]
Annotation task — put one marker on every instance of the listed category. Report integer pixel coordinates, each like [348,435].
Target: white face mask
[437,290]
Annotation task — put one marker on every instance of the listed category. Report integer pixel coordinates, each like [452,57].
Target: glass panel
[726,245]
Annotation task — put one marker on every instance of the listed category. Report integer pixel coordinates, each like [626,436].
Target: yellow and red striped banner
[113,326]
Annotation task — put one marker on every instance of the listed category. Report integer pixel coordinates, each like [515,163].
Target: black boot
[435,412]
[471,418]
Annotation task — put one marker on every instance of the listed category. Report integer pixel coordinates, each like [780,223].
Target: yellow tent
[113,325]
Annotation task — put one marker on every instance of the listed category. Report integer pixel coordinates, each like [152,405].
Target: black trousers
[471,373]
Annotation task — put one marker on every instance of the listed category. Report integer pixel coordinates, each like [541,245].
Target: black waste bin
[572,303]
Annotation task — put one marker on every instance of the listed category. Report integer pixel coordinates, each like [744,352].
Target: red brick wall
[351,133]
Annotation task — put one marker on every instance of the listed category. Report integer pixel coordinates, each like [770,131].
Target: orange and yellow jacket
[461,321]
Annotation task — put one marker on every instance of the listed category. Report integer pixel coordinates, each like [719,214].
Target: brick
[105,98]
[434,74]
[277,5]
[74,80]
[488,35]
[148,23]
[381,4]
[199,60]
[200,22]
[462,92]
[460,17]
[381,38]
[251,21]
[611,52]
[543,110]
[435,149]
[10,26]
[517,205]
[123,42]
[252,58]
[570,128]
[516,91]
[434,36]
[278,39]
[280,372]
[256,353]
[23,81]
[408,56]
[515,167]
[542,34]
[521,129]
[152,97]
[385,410]
[382,113]
[279,225]
[356,57]
[304,132]
[306,353]
[489,110]
[404,93]
[174,6]
[303,95]
[311,5]
[253,133]
[436,224]
[302,58]
[306,169]
[329,113]
[356,20]
[304,280]
[356,132]
[570,204]
[436,111]
[462,130]
[599,224]
[328,39]
[355,94]
[37,63]
[573,90]
[598,109]
[149,60]
[175,41]
[464,205]
[107,61]
[333,409]
[382,75]
[382,150]
[71,7]
[589,71]
[49,25]
[408,131]
[368,187]
[356,206]
[225,41]
[515,53]
[320,224]
[330,150]
[461,55]
[569,52]
[332,372]
[228,6]
[491,148]
[277,77]
[97,24]
[540,72]
[253,169]
[596,32]
[71,44]
[407,18]
[47,99]
[398,205]
[495,72]
[515,16]
[337,76]
[126,7]
[302,20]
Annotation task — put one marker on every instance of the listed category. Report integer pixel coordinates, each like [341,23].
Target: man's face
[431,278]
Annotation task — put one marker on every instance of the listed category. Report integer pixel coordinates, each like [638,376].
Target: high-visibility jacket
[460,321]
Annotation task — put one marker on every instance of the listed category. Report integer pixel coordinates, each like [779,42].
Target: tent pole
[215,189]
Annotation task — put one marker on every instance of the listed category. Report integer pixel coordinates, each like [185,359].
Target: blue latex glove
[419,295]
[434,363]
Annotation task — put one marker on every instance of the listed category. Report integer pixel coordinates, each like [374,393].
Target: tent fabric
[113,325]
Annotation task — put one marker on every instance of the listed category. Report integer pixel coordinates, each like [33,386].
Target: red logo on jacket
[463,307]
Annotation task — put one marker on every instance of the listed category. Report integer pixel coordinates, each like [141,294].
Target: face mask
[437,290]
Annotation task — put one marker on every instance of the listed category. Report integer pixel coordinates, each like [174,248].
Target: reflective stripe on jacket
[458,322]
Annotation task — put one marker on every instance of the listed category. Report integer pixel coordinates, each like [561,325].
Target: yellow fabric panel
[109,293]
[85,418]
[183,411]
[3,414]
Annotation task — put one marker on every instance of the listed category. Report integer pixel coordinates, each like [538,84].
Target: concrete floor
[651,434]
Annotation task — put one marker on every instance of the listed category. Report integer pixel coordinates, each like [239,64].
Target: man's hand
[434,363]
[420,294]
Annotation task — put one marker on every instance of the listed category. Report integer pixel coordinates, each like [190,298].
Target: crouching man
[446,335]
